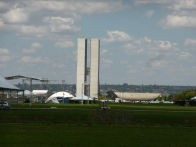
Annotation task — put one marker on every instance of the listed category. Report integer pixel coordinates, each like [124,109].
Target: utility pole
[31,89]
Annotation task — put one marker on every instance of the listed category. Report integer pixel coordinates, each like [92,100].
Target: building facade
[82,67]
[94,67]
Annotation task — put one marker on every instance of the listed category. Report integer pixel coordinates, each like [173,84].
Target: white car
[4,105]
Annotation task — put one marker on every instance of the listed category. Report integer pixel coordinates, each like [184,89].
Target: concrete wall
[81,66]
[94,68]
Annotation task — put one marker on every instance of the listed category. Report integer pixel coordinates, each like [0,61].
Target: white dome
[61,94]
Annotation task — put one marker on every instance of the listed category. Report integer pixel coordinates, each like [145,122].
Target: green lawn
[95,136]
[118,127]
[129,106]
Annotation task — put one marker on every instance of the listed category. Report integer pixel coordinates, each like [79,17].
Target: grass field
[137,106]
[87,125]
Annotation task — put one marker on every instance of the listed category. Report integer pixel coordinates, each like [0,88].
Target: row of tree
[186,95]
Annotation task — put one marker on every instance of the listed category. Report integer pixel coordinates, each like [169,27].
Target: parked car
[4,105]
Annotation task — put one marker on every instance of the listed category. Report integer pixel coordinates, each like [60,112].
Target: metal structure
[25,78]
[7,88]
[4,85]
[30,79]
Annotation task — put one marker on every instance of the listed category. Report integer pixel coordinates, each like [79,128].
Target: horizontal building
[132,96]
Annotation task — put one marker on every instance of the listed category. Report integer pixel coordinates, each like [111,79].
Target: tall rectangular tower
[81,66]
[94,68]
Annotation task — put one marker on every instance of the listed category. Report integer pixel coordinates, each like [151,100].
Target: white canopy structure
[39,92]
[193,98]
[34,92]
[80,98]
[62,94]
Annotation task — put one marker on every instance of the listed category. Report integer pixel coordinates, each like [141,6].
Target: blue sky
[142,41]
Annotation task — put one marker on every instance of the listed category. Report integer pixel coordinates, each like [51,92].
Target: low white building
[40,92]
[133,96]
[82,98]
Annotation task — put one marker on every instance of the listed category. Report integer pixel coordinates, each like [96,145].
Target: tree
[111,94]
[186,95]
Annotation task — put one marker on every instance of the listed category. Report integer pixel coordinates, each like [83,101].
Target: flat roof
[4,84]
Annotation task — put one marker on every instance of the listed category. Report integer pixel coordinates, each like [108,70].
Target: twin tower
[83,71]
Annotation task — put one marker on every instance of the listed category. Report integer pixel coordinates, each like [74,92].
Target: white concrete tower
[81,66]
[94,68]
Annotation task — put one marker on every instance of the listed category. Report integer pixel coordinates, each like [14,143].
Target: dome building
[59,97]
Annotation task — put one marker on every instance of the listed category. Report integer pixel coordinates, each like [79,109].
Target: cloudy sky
[142,41]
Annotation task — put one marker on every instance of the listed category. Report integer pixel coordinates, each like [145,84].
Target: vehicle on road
[4,105]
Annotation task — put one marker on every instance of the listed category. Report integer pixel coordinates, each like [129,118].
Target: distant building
[132,96]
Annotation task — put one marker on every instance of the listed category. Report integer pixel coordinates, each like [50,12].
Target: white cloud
[58,20]
[101,6]
[107,61]
[131,70]
[5,58]
[32,49]
[64,44]
[179,21]
[117,36]
[4,51]
[190,42]
[38,31]
[182,13]
[183,5]
[149,13]
[145,2]
[170,4]
[36,45]
[30,59]
[164,44]
[77,6]
[148,46]
[29,51]
[48,19]
[104,51]
[49,5]
[60,24]
[16,15]
[185,55]
[155,53]
[3,5]
[1,23]
[58,65]
[155,62]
